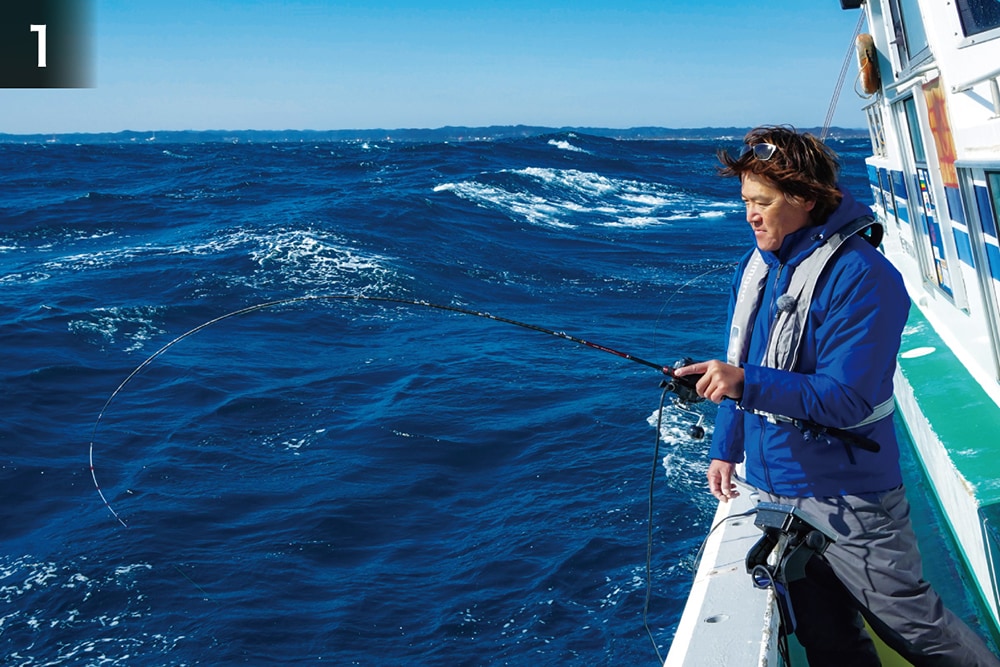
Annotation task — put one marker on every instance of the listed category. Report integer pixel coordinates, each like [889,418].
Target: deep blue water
[347,482]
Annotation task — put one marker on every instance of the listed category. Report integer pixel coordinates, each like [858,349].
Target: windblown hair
[802,167]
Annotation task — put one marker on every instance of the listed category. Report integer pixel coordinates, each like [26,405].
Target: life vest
[785,338]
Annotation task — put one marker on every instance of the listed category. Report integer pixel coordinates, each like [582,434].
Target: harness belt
[881,411]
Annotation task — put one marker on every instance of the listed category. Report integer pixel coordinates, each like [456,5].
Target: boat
[928,71]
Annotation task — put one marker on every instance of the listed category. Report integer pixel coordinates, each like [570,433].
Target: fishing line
[196,585]
[704,542]
[649,520]
[659,316]
[682,386]
[649,528]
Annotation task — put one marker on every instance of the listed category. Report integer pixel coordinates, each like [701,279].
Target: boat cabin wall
[935,169]
[957,42]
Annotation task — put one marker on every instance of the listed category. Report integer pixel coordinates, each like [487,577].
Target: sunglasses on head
[762,152]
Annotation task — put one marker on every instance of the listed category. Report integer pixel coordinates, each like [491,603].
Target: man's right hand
[718,380]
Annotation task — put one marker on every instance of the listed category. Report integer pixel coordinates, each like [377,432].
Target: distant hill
[417,135]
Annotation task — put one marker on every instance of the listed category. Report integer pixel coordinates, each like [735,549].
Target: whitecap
[28,278]
[287,255]
[533,208]
[317,259]
[572,180]
[566,146]
[638,222]
[567,198]
[683,460]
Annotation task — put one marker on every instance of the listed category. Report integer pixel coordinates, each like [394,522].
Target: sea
[238,428]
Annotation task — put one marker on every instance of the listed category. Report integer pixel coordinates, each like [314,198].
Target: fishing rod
[684,388]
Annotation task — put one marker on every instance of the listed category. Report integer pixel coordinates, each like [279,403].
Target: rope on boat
[840,81]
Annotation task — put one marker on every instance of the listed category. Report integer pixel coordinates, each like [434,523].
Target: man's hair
[802,166]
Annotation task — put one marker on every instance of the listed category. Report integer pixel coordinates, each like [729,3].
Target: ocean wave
[313,261]
[569,198]
[564,145]
[637,222]
[304,257]
[108,196]
[534,209]
[683,460]
[697,215]
[319,260]
[24,278]
[176,155]
[99,259]
[46,238]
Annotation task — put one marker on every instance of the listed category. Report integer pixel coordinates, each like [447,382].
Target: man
[815,320]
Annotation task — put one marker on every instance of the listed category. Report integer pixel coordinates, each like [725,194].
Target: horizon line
[519,127]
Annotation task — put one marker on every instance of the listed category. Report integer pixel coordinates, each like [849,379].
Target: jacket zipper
[770,332]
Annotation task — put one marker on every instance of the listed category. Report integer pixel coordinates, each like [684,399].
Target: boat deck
[726,620]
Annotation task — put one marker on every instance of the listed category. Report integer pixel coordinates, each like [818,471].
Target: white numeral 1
[40,29]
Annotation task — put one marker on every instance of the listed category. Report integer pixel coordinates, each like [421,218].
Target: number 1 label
[46,44]
[40,29]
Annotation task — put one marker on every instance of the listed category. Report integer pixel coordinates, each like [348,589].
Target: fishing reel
[685,393]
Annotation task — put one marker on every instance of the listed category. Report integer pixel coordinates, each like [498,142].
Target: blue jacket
[845,369]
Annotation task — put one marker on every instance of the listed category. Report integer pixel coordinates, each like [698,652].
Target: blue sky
[357,64]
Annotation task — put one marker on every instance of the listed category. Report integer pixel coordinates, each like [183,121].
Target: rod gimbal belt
[793,537]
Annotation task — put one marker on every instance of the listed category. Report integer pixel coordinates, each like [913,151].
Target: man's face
[772,214]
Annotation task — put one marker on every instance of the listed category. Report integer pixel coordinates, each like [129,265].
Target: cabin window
[989,223]
[909,36]
[984,198]
[928,237]
[888,198]
[913,125]
[978,16]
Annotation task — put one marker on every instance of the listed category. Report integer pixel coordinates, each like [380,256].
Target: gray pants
[874,568]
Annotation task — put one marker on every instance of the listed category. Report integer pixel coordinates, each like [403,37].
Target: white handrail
[968,86]
[994,89]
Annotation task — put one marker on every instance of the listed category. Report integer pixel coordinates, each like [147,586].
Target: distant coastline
[416,135]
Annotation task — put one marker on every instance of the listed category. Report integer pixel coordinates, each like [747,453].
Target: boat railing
[994,88]
[876,131]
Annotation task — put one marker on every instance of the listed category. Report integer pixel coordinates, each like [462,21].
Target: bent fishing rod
[683,387]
